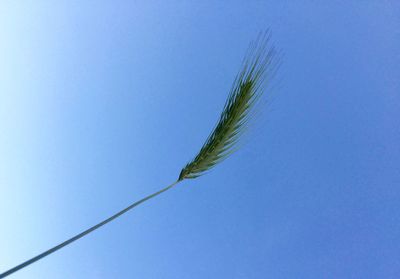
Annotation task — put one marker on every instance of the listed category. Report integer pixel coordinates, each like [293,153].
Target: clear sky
[102,103]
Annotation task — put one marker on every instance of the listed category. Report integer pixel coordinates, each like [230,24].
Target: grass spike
[247,88]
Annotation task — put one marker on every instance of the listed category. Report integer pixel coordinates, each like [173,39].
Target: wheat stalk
[258,67]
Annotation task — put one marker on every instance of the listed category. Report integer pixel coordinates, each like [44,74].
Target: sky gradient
[102,103]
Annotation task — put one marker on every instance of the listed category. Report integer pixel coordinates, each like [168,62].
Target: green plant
[258,67]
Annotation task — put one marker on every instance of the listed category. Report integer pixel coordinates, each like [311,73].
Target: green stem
[82,234]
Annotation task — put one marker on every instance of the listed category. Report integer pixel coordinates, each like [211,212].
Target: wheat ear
[258,67]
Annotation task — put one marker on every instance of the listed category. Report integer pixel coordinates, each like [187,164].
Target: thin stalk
[82,234]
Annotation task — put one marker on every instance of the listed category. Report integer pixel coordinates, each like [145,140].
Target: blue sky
[102,103]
